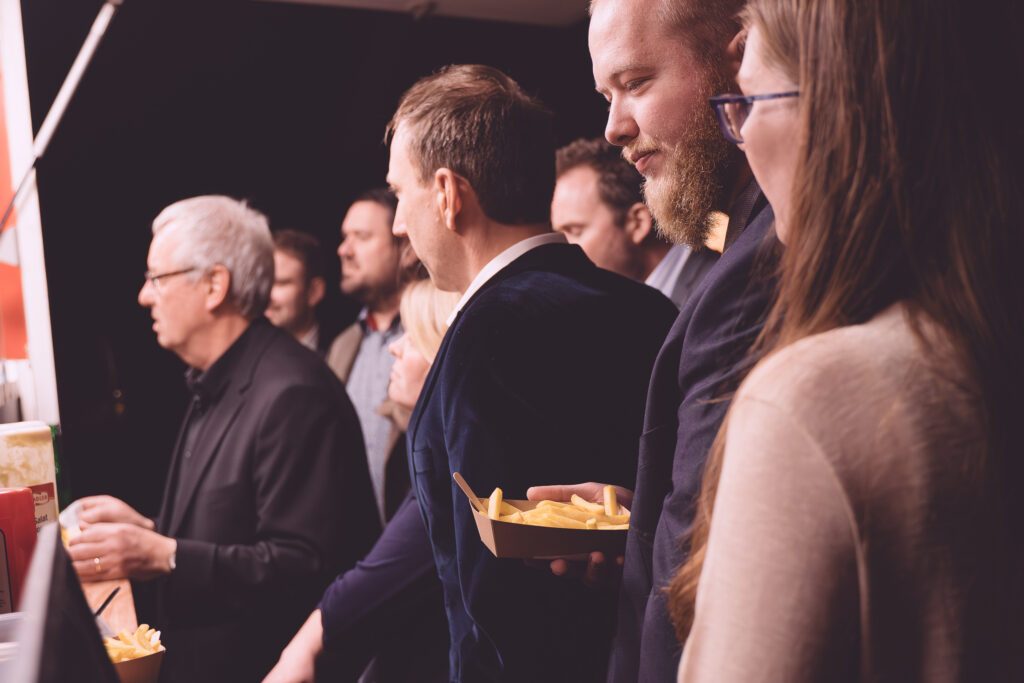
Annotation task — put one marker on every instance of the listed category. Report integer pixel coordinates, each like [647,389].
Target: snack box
[529,542]
[141,670]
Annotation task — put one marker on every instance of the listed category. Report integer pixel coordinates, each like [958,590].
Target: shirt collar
[496,264]
[312,338]
[367,323]
[207,387]
[664,276]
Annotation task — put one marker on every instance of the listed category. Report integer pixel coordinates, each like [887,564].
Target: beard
[692,184]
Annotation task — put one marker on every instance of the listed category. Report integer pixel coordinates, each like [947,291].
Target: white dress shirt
[664,276]
[496,264]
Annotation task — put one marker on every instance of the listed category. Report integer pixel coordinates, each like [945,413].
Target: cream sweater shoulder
[844,542]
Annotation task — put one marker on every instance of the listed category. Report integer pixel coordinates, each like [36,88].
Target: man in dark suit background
[542,373]
[268,495]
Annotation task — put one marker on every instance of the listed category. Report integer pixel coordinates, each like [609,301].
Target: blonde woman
[424,311]
[405,633]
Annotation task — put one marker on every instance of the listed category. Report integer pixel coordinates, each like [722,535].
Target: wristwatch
[172,561]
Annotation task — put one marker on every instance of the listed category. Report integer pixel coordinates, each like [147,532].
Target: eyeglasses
[155,278]
[733,110]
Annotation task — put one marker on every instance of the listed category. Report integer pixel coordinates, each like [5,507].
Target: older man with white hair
[268,495]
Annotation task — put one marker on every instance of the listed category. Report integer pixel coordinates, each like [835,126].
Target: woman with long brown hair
[860,517]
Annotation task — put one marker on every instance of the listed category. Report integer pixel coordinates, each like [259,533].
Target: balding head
[706,26]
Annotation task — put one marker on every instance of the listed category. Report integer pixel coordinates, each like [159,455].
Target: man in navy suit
[657,67]
[541,376]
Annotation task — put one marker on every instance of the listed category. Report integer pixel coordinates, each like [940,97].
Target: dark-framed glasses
[733,110]
[156,278]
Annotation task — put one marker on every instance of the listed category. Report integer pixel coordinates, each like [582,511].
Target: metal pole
[60,103]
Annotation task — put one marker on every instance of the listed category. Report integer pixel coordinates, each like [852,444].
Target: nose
[398,229]
[621,128]
[147,297]
[395,347]
[344,250]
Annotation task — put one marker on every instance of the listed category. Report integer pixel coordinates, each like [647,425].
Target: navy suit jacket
[540,380]
[703,360]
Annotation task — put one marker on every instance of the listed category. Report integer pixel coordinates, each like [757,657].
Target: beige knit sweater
[852,536]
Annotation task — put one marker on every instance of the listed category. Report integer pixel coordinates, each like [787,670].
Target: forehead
[366,215]
[625,34]
[755,72]
[285,261]
[161,248]
[399,160]
[577,185]
[752,62]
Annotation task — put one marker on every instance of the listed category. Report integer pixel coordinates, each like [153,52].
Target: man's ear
[315,292]
[639,223]
[448,194]
[734,54]
[218,286]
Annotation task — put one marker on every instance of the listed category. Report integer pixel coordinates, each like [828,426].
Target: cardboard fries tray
[142,670]
[528,542]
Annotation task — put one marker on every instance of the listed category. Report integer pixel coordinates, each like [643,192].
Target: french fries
[145,641]
[576,514]
[494,505]
[611,505]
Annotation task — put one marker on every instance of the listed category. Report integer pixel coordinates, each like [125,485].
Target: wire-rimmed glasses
[155,278]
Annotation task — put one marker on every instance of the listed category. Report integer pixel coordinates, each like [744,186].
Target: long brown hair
[909,189]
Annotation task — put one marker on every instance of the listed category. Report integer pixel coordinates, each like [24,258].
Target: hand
[101,509]
[108,551]
[590,491]
[298,661]
[596,572]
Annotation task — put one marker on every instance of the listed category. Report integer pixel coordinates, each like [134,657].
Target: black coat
[703,359]
[540,380]
[273,502]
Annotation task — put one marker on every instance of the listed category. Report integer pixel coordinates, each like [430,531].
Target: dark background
[281,104]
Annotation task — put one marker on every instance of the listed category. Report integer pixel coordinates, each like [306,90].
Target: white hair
[217,230]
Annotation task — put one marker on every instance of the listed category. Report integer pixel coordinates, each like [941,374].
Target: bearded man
[657,66]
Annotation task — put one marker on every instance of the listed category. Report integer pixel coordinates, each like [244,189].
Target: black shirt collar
[207,387]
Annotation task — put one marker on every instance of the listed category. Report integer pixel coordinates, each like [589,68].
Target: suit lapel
[222,415]
[429,384]
[208,442]
[554,257]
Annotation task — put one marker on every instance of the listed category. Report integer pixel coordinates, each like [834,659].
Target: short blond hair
[424,311]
